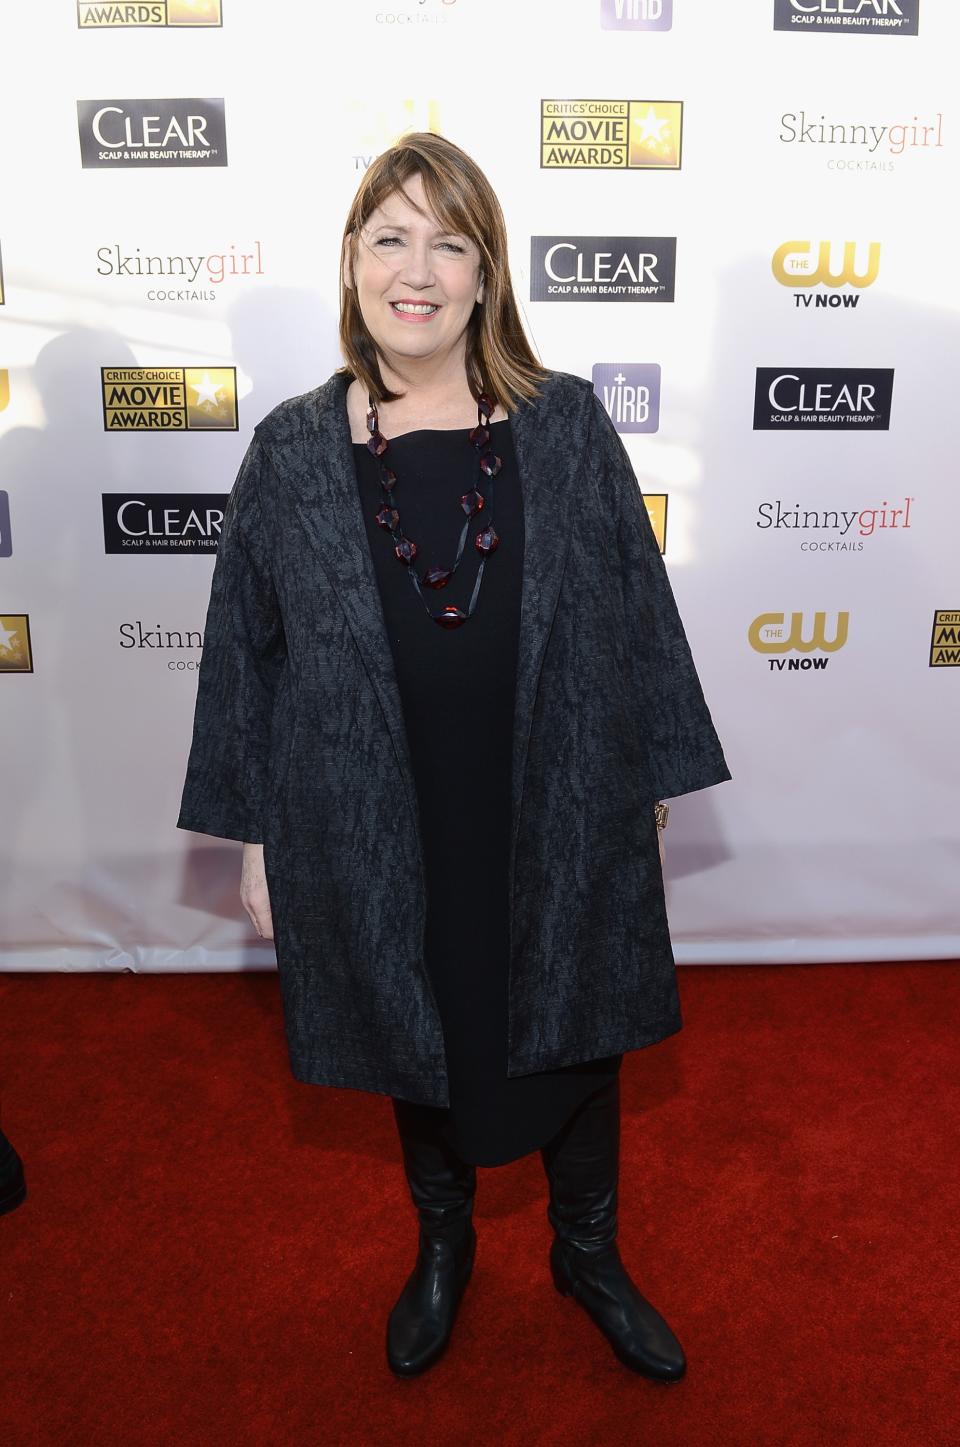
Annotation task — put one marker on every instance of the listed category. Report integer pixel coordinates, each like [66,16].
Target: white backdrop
[839,835]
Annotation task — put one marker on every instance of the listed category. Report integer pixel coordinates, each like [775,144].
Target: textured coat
[299,744]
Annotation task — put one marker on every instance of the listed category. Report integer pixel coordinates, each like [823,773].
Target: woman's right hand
[254,894]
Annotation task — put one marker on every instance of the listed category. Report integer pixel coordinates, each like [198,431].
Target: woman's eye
[453,245]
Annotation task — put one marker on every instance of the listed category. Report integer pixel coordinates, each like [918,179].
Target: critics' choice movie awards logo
[185,13]
[610,135]
[162,522]
[4,389]
[602,268]
[630,391]
[867,142]
[185,277]
[805,264]
[823,397]
[945,644]
[169,399]
[863,17]
[769,633]
[844,528]
[152,133]
[636,14]
[6,537]
[16,654]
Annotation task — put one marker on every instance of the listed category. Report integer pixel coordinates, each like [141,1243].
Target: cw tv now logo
[770,634]
[795,265]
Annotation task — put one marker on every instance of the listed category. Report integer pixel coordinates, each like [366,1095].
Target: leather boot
[582,1164]
[442,1187]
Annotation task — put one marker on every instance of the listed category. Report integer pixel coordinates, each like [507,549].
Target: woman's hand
[254,895]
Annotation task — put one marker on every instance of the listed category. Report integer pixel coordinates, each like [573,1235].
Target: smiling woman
[449,830]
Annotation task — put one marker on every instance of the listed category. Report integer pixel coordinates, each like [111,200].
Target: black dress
[457,690]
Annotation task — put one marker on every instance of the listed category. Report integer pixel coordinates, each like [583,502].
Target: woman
[444,684]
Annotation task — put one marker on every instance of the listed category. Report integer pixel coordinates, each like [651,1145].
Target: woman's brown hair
[499,359]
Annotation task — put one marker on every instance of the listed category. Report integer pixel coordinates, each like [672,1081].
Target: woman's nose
[416,266]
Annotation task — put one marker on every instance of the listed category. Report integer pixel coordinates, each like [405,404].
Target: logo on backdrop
[656,505]
[169,399]
[187,13]
[610,135]
[863,17]
[165,522]
[374,124]
[630,391]
[152,133]
[823,397]
[177,640]
[417,12]
[194,277]
[769,633]
[16,654]
[3,295]
[866,142]
[795,265]
[849,525]
[4,388]
[6,537]
[945,644]
[602,268]
[636,14]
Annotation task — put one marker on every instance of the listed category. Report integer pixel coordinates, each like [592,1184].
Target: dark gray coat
[299,743]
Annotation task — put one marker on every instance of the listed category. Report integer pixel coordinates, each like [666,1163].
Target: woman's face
[405,257]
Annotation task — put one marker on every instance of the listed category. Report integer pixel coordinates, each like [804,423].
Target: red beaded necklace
[472,502]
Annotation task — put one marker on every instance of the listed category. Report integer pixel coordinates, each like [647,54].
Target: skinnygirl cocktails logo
[847,144]
[833,530]
[179,276]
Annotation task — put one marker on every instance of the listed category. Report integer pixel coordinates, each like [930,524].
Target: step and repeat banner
[731,215]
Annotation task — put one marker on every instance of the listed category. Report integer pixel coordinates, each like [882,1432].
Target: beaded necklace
[405,549]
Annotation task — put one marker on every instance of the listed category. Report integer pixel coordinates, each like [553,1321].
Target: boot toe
[421,1323]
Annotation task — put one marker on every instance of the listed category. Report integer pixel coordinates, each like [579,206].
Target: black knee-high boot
[442,1187]
[582,1164]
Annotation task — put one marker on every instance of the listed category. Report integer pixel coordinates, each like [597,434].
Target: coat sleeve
[244,654]
[681,743]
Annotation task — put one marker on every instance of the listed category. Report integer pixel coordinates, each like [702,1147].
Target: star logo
[206,391]
[651,126]
[655,131]
[211,398]
[15,655]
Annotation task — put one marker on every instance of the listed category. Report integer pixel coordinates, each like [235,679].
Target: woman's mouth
[410,311]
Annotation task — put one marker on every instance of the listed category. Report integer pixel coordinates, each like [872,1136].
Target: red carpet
[209,1249]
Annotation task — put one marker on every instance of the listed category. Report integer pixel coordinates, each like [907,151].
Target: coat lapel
[333,522]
